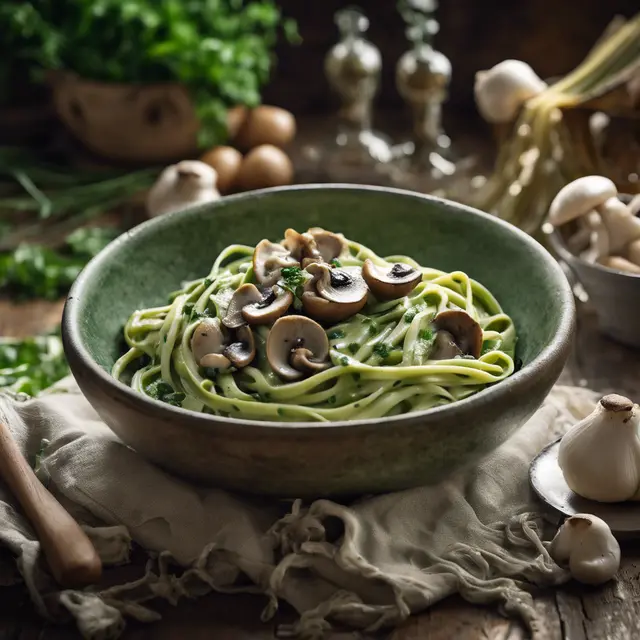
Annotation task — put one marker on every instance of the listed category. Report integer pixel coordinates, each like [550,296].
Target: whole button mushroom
[457,334]
[613,229]
[334,294]
[391,283]
[297,347]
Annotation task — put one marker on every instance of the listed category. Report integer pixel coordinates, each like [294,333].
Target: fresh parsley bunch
[221,50]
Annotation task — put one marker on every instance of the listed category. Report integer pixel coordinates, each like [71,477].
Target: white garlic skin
[585,543]
[600,455]
[503,89]
[182,185]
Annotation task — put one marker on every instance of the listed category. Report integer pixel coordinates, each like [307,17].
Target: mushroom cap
[268,260]
[390,283]
[466,332]
[579,198]
[334,294]
[243,349]
[271,306]
[215,361]
[297,346]
[207,338]
[244,295]
[194,174]
[301,245]
[330,245]
[622,228]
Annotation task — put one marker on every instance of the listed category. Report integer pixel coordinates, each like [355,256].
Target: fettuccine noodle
[379,357]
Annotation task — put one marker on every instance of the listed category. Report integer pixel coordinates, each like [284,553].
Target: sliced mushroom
[243,349]
[297,347]
[215,361]
[390,284]
[245,295]
[302,246]
[272,305]
[334,294]
[444,347]
[268,260]
[330,245]
[459,326]
[208,343]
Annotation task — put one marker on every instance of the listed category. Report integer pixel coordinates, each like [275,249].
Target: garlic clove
[600,455]
[503,89]
[182,185]
[585,543]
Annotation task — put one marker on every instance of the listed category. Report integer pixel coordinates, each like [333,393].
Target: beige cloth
[366,565]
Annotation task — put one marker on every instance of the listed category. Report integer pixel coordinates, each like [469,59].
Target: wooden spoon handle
[69,552]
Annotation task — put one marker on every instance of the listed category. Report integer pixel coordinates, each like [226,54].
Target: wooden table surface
[570,613]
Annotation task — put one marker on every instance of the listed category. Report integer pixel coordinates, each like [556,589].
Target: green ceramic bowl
[309,459]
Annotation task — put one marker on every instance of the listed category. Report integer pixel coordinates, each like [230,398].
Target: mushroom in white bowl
[596,232]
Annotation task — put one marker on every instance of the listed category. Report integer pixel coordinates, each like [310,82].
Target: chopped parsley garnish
[211,373]
[164,338]
[332,400]
[425,334]
[353,347]
[163,391]
[293,277]
[409,316]
[373,329]
[336,263]
[280,411]
[207,282]
[335,334]
[344,361]
[381,350]
[187,310]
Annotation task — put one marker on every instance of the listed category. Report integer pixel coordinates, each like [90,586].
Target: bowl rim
[80,358]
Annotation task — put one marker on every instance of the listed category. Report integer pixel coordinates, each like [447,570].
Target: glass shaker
[422,79]
[353,68]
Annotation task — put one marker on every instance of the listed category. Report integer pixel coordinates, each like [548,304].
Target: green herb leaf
[344,361]
[425,334]
[353,347]
[335,334]
[381,350]
[31,365]
[336,263]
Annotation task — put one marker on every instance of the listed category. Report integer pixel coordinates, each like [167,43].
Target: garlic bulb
[182,185]
[585,543]
[503,89]
[600,455]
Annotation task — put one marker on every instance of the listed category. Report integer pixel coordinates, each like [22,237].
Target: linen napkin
[370,564]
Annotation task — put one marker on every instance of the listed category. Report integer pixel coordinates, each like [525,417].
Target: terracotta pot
[139,123]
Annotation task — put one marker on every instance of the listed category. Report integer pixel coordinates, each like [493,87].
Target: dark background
[553,36]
